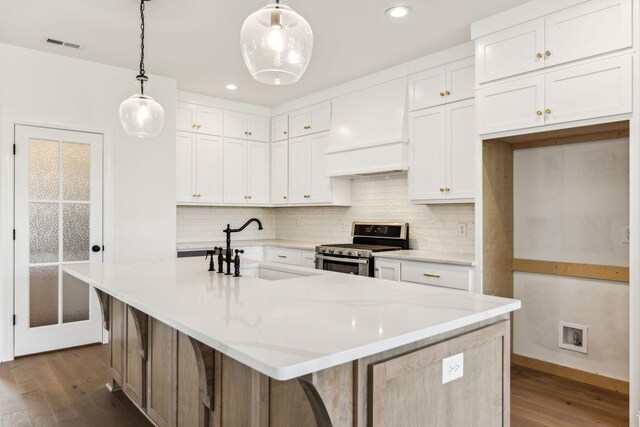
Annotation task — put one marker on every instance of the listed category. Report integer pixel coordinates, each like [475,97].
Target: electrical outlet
[462,230]
[626,235]
[452,368]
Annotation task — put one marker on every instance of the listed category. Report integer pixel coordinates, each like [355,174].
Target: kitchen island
[290,346]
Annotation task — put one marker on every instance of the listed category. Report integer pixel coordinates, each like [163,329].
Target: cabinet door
[209,120]
[280,128]
[235,125]
[235,171]
[460,156]
[162,371]
[588,91]
[588,29]
[299,170]
[320,190]
[387,270]
[509,52]
[427,170]
[298,122]
[461,77]
[427,89]
[320,116]
[258,178]
[280,173]
[510,106]
[309,259]
[208,161]
[185,172]
[258,128]
[185,117]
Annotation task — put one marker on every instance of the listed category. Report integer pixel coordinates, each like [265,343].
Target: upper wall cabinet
[306,121]
[280,173]
[198,168]
[246,172]
[440,85]
[197,118]
[592,90]
[246,126]
[442,154]
[280,128]
[588,29]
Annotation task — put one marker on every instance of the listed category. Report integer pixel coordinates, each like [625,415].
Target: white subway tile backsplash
[384,198]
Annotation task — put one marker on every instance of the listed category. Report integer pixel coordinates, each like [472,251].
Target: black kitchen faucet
[228,255]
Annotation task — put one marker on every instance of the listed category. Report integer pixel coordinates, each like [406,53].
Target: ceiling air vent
[62,43]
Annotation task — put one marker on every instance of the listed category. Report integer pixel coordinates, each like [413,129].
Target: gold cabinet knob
[547,53]
[538,55]
[447,93]
[248,197]
[547,111]
[194,195]
[246,132]
[284,197]
[285,132]
[442,190]
[538,113]
[441,93]
[250,133]
[199,125]
[193,126]
[447,190]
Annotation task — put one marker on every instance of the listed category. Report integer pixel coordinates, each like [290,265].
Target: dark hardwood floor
[67,388]
[64,388]
[539,399]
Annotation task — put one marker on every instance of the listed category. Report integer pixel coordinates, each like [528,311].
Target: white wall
[55,89]
[381,198]
[570,204]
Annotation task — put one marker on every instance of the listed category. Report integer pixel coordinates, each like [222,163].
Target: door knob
[95,248]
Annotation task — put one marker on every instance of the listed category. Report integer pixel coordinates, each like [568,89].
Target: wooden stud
[585,271]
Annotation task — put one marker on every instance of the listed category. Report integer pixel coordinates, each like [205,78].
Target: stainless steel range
[368,238]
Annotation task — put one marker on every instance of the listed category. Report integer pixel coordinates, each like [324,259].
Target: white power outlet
[462,230]
[452,368]
[626,236]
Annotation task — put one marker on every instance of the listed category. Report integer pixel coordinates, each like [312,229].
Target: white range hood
[369,131]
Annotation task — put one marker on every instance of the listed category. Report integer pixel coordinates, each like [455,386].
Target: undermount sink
[268,272]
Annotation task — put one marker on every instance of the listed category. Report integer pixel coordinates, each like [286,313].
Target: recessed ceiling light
[231,86]
[398,11]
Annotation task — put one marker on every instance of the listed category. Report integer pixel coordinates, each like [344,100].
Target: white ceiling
[197,41]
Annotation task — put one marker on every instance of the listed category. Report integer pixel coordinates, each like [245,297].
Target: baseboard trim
[571,373]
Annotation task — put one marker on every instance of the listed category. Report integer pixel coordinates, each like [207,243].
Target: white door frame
[7,134]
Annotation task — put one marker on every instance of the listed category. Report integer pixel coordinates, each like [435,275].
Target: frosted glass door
[58,221]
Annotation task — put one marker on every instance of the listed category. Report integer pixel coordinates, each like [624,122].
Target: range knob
[356,253]
[338,252]
[347,252]
[329,251]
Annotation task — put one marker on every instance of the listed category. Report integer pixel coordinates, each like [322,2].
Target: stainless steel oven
[344,264]
[357,257]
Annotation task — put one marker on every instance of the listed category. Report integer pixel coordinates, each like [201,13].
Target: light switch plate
[625,234]
[452,368]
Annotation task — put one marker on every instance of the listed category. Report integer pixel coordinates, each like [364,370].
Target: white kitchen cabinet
[445,275]
[308,180]
[510,106]
[280,173]
[198,168]
[246,172]
[309,259]
[280,128]
[582,31]
[246,126]
[199,119]
[442,161]
[290,256]
[449,83]
[592,90]
[313,119]
[387,269]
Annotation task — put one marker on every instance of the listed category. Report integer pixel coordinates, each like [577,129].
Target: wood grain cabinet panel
[135,375]
[161,374]
[116,329]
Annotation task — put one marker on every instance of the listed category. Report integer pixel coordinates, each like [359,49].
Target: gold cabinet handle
[250,133]
[547,53]
[435,276]
[538,55]
[199,125]
[547,111]
[193,126]
[441,93]
[248,197]
[538,113]
[441,190]
[447,93]
[447,190]
[194,195]
[307,127]
[246,132]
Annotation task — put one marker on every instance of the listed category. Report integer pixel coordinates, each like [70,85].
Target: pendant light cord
[141,76]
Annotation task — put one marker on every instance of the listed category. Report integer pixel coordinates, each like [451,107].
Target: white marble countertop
[430,256]
[293,244]
[292,327]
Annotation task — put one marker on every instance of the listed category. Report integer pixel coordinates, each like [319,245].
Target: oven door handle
[347,260]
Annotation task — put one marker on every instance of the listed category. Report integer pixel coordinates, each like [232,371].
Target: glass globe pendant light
[140,114]
[276,44]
